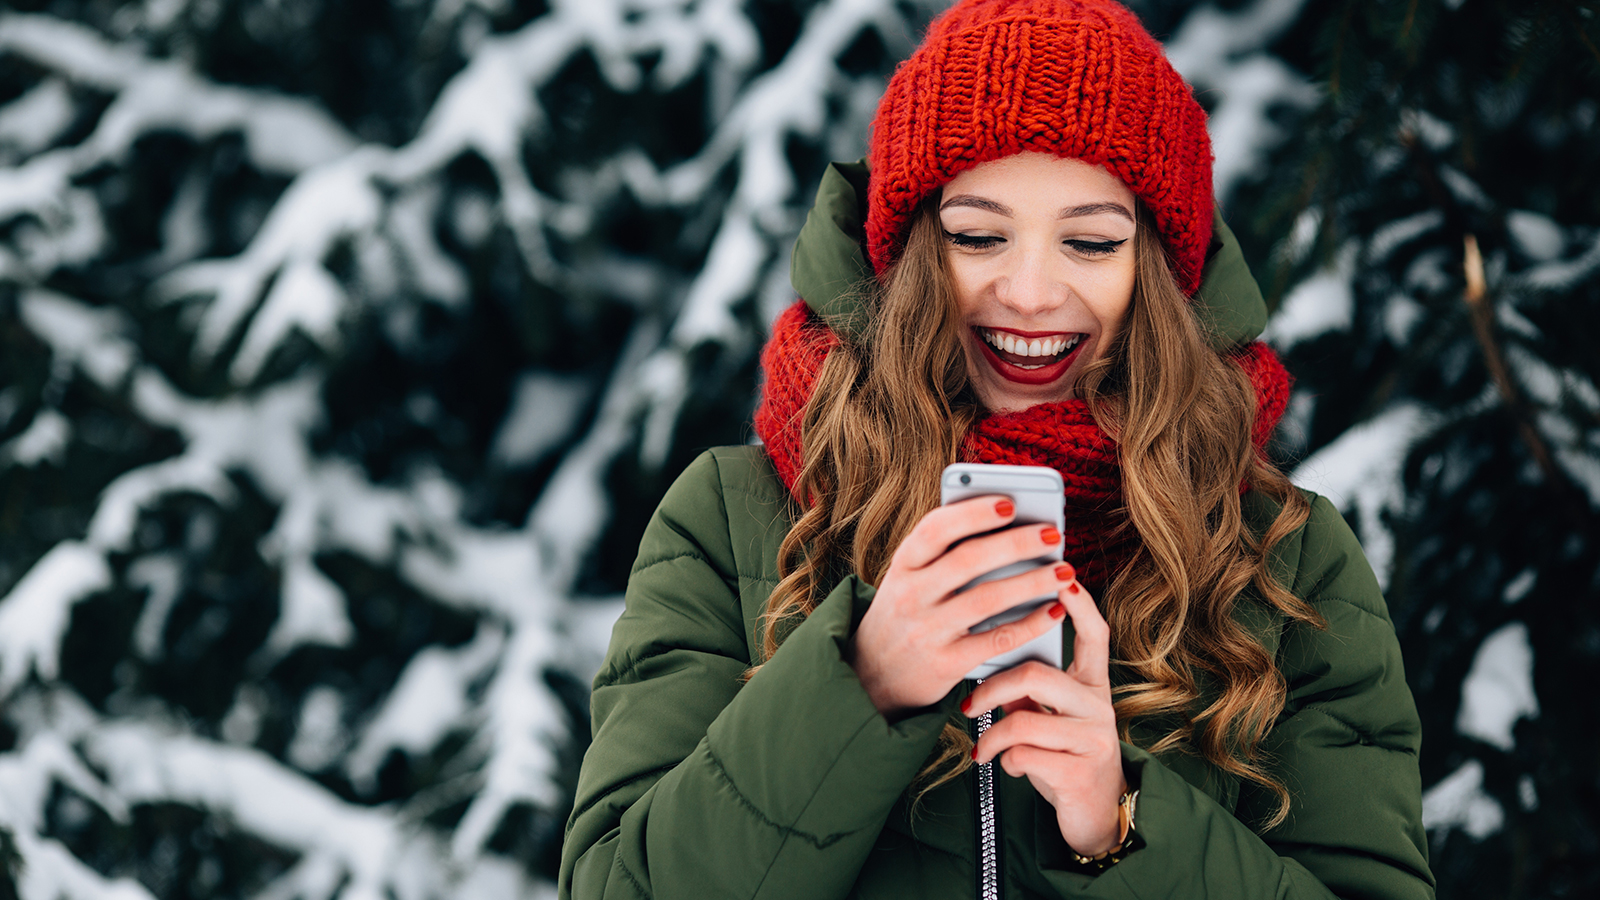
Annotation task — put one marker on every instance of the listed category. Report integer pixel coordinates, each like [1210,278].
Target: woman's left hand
[1060,730]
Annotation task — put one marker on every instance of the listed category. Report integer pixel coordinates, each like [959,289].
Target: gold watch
[1126,806]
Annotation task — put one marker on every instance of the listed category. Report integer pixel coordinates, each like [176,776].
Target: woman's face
[1041,253]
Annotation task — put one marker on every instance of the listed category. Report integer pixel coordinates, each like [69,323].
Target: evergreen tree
[1435,237]
[345,348]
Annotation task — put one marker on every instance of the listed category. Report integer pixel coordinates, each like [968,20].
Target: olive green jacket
[791,785]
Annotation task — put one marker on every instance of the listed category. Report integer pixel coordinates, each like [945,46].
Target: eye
[1095,248]
[973,241]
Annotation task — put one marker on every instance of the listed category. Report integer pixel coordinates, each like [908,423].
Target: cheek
[1112,298]
[966,286]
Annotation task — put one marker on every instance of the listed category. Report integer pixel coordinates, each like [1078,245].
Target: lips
[1027,369]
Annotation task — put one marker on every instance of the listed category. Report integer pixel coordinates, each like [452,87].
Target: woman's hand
[1060,731]
[912,646]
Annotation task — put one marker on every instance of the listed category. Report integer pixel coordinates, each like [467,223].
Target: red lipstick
[1019,375]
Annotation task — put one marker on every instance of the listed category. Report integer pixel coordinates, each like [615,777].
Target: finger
[1091,646]
[1028,704]
[982,555]
[1019,762]
[970,607]
[945,525]
[1044,686]
[1007,637]
[1055,733]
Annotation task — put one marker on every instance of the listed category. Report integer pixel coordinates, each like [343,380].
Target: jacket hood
[830,264]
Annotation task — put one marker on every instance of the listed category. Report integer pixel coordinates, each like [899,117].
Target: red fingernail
[974,752]
[966,705]
[1057,611]
[1072,588]
[1064,573]
[1005,507]
[1049,534]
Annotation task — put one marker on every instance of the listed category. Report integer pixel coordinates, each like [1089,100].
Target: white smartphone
[1038,494]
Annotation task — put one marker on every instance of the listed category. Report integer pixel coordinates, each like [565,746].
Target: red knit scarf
[1060,435]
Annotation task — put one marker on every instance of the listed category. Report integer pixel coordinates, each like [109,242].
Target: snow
[45,440]
[1431,272]
[1537,236]
[1459,801]
[544,411]
[1466,191]
[144,763]
[1563,274]
[1393,235]
[35,614]
[1320,304]
[523,724]
[520,583]
[284,134]
[161,574]
[1436,134]
[35,120]
[304,297]
[1518,587]
[93,339]
[1578,457]
[317,210]
[1221,54]
[1400,316]
[1498,689]
[428,701]
[311,611]
[319,735]
[1527,793]
[411,223]
[1362,468]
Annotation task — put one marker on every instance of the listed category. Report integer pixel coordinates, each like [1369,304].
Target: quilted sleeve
[698,784]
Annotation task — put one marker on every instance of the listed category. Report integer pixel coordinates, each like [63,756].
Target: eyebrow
[1071,212]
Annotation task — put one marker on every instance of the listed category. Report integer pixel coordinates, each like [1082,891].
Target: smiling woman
[1040,261]
[784,713]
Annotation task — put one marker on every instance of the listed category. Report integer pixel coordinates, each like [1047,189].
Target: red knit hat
[1073,78]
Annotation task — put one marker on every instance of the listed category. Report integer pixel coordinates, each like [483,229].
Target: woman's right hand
[912,645]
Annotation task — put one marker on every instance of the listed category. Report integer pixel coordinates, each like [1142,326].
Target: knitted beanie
[1073,78]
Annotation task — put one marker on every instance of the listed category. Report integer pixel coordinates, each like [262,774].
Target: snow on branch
[1222,54]
[282,134]
[519,584]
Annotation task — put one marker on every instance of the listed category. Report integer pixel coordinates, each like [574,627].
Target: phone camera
[966,479]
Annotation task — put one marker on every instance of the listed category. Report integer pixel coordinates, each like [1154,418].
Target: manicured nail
[1005,507]
[1057,611]
[1073,588]
[1064,572]
[966,705]
[974,752]
[1049,534]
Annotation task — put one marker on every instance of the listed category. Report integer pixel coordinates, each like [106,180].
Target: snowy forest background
[346,345]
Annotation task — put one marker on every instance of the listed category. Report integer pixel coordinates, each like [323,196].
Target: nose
[1033,286]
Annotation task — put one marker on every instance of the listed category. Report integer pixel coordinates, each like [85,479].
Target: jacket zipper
[988,822]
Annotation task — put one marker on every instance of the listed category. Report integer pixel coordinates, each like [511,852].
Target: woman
[783,713]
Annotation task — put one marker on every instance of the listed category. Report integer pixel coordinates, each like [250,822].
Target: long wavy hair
[890,410]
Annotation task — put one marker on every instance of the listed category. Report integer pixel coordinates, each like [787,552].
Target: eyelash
[984,242]
[1096,248]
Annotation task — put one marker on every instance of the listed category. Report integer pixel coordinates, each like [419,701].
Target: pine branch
[1481,314]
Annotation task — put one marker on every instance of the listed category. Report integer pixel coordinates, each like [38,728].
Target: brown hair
[876,439]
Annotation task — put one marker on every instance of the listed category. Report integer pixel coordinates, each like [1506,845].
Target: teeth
[1010,343]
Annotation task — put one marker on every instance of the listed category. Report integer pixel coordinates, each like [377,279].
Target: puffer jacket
[791,785]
